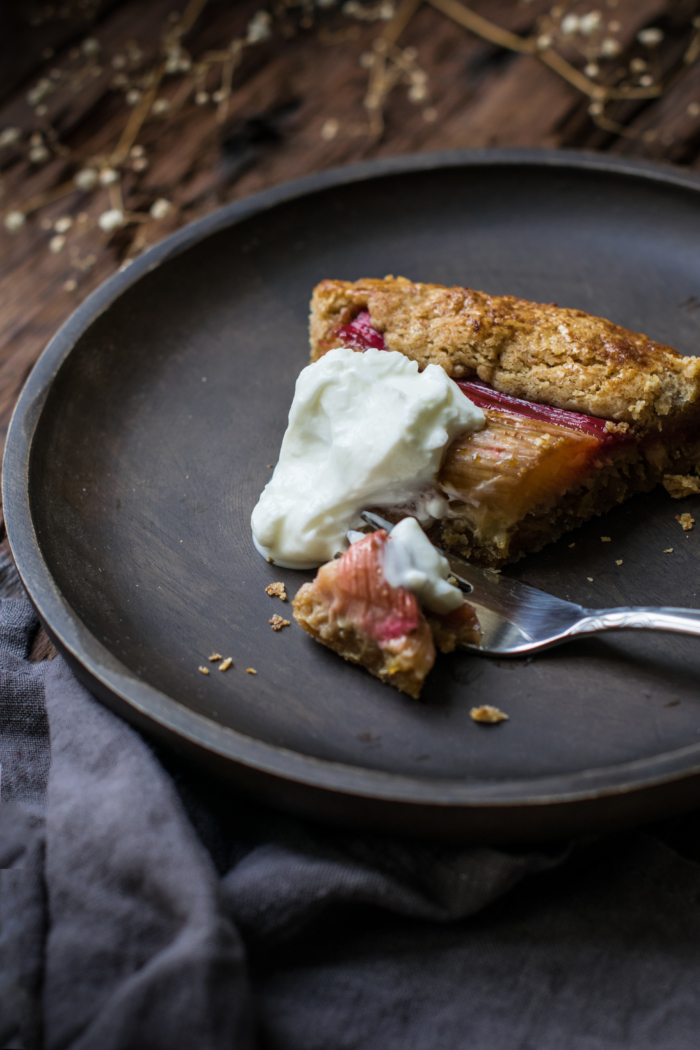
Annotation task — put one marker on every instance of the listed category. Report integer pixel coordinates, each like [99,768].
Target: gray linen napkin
[142,906]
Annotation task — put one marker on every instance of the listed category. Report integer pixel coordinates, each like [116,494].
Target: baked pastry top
[539,352]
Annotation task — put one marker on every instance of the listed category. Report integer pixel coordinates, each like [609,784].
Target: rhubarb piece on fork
[353,609]
[581,413]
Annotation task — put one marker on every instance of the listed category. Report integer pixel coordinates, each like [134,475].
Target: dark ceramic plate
[146,432]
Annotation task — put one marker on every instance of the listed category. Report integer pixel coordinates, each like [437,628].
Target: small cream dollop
[411,561]
[365,429]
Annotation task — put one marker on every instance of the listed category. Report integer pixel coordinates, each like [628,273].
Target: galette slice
[352,608]
[581,413]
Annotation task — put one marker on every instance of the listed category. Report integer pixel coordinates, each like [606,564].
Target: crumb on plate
[669,550]
[276,590]
[679,485]
[277,622]
[250,670]
[225,664]
[686,521]
[204,670]
[618,561]
[488,715]
[214,657]
[606,539]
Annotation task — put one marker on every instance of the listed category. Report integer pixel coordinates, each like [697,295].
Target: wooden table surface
[191,106]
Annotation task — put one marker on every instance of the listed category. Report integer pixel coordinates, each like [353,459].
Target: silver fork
[516,619]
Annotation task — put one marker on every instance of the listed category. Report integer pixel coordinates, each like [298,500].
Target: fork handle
[650,618]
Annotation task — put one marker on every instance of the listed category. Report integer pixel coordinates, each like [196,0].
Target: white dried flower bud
[570,24]
[258,28]
[161,105]
[418,93]
[137,151]
[589,23]
[9,135]
[544,41]
[119,61]
[63,224]
[592,69]
[650,37]
[330,129]
[610,47]
[85,179]
[108,176]
[201,98]
[90,46]
[638,65]
[40,90]
[160,208]
[132,97]
[56,243]
[140,163]
[693,109]
[39,154]
[111,220]
[14,220]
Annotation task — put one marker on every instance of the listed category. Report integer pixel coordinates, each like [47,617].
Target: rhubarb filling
[534,471]
[351,608]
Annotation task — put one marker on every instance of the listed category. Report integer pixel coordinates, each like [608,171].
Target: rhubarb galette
[580,413]
[352,608]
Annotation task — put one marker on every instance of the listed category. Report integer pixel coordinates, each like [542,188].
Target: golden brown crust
[403,663]
[540,352]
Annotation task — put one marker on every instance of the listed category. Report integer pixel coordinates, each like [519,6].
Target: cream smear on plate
[365,430]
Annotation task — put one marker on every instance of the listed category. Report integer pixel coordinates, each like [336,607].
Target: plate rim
[156,707]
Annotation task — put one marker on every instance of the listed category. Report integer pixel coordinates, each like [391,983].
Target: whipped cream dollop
[411,561]
[365,430]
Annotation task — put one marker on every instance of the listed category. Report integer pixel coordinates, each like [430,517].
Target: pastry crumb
[669,550]
[686,521]
[679,485]
[269,561]
[488,714]
[250,670]
[204,670]
[571,545]
[590,579]
[277,622]
[214,657]
[276,590]
[618,561]
[606,539]
[616,428]
[225,664]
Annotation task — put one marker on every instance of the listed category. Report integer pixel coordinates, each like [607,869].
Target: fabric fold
[139,953]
